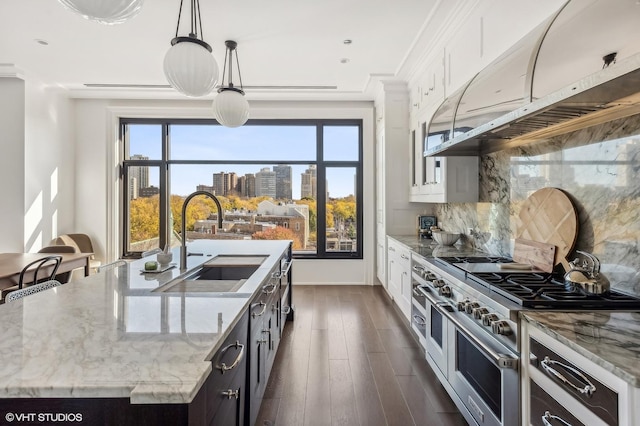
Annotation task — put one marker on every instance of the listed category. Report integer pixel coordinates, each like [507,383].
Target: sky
[279,144]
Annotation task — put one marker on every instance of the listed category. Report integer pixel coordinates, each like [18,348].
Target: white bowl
[164,258]
[445,238]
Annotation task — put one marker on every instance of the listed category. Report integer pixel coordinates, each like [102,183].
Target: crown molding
[11,71]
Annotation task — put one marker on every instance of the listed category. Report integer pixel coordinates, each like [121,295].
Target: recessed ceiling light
[42,42]
[347,41]
[344,60]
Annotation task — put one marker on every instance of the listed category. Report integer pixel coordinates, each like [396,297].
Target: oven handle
[419,320]
[502,361]
[588,388]
[548,416]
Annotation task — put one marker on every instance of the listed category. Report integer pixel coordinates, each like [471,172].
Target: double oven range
[468,323]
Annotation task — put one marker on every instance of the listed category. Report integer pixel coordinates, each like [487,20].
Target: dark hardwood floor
[350,359]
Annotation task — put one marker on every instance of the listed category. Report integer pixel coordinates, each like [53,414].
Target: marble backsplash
[599,169]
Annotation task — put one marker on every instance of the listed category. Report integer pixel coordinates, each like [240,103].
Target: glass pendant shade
[231,108]
[105,11]
[190,68]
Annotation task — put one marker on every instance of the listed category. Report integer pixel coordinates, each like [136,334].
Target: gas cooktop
[539,289]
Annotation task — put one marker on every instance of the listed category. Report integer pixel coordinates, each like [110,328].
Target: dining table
[12,264]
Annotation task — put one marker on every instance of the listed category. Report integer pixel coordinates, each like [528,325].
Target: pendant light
[230,106]
[105,11]
[189,65]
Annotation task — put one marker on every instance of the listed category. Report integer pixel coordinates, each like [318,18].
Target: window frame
[164,165]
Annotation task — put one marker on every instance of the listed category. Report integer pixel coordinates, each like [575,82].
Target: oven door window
[480,373]
[436,326]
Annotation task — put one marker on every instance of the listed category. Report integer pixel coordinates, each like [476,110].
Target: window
[275,179]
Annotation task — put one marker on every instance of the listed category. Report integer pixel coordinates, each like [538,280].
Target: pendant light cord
[179,15]
[228,56]
[196,20]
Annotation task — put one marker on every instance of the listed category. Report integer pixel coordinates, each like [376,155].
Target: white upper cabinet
[441,179]
[462,56]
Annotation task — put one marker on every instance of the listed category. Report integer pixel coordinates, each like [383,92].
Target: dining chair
[19,294]
[66,276]
[111,265]
[40,263]
[81,242]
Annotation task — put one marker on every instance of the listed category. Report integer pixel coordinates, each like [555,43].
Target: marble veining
[609,339]
[111,335]
[426,247]
[598,167]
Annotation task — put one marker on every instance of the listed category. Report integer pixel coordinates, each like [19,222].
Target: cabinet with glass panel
[441,179]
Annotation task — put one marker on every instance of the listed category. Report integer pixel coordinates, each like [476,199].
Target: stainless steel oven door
[436,333]
[484,374]
[418,322]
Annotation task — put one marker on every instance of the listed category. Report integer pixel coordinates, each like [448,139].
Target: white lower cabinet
[560,386]
[399,275]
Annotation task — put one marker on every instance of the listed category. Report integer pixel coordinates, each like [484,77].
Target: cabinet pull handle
[265,291]
[588,388]
[548,416]
[419,320]
[232,393]
[403,256]
[223,367]
[264,308]
[286,310]
[286,270]
[277,275]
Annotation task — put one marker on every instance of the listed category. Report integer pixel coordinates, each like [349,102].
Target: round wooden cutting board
[548,216]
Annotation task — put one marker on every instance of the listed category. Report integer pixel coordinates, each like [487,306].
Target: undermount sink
[203,286]
[222,274]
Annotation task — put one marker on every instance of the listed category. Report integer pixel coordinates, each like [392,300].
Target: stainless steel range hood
[579,68]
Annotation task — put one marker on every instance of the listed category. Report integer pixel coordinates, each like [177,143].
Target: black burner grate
[539,290]
[482,259]
[542,290]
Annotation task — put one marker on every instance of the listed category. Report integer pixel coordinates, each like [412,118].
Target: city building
[149,191]
[138,177]
[247,185]
[283,182]
[205,188]
[225,183]
[308,183]
[266,183]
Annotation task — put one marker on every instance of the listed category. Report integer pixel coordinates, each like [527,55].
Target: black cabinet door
[258,345]
[229,373]
[231,403]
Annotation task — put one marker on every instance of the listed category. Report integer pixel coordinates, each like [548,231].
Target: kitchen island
[115,338]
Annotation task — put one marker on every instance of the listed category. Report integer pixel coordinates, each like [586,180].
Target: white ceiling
[280,43]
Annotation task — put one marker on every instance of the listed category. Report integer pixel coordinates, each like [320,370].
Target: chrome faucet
[183,248]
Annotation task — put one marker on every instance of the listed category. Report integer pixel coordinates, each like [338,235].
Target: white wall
[49,167]
[36,165]
[12,164]
[97,197]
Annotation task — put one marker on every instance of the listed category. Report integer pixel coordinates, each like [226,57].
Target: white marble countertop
[111,335]
[609,339]
[426,247]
